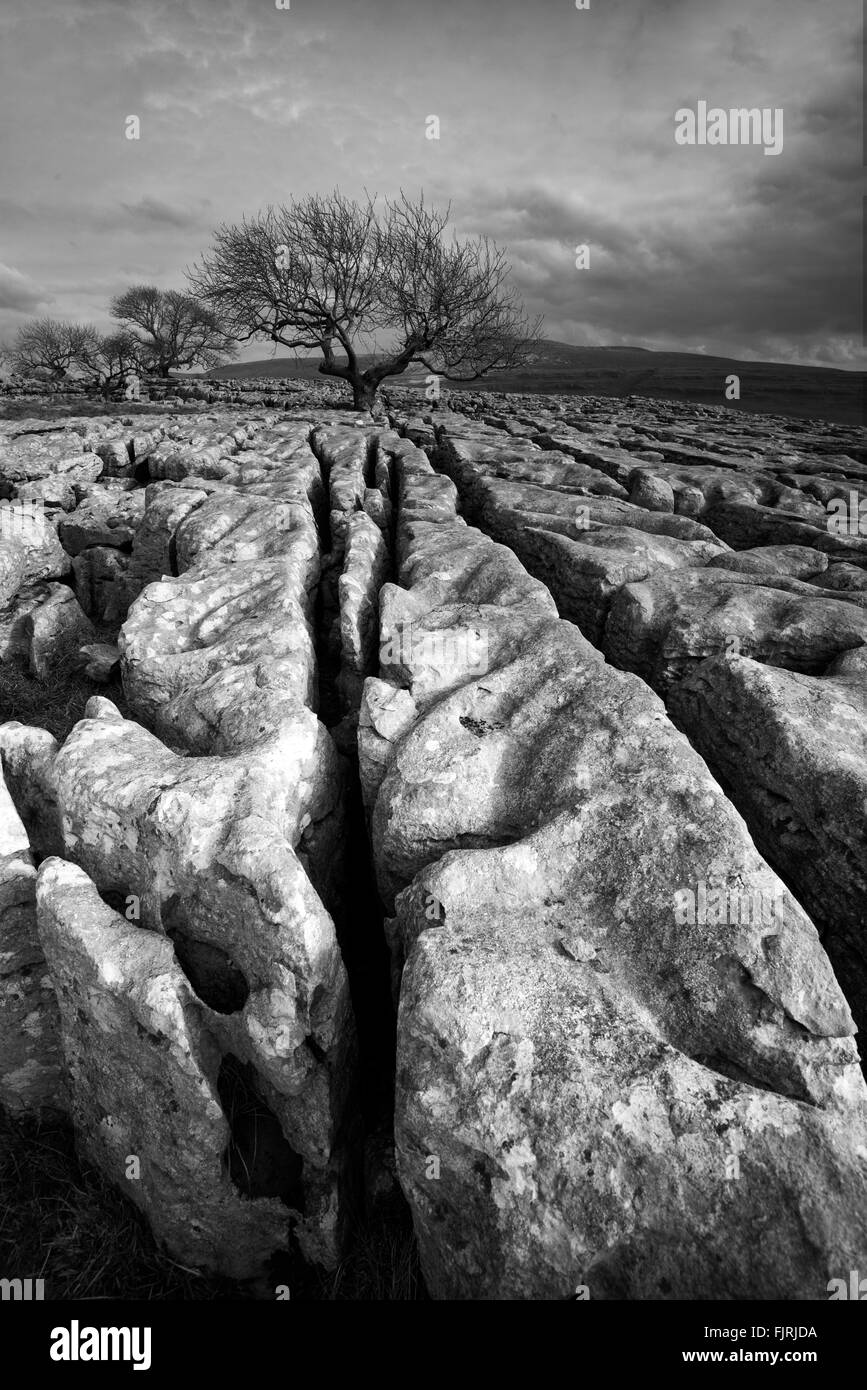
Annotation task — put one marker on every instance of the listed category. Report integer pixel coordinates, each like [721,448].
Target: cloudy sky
[556,129]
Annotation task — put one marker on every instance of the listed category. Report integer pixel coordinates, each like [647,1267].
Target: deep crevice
[116,899]
[213,974]
[259,1159]
[377,1211]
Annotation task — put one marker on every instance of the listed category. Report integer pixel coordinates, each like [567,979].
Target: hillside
[768,387]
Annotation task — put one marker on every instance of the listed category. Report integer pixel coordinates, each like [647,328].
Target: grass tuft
[62,1222]
[57,702]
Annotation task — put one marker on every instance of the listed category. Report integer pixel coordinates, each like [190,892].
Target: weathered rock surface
[29,548]
[100,659]
[101,583]
[661,627]
[225,849]
[15,632]
[57,492]
[792,749]
[181,633]
[56,625]
[145,1076]
[345,456]
[575,1145]
[535,884]
[780,597]
[208,847]
[117,458]
[110,518]
[795,561]
[31,1065]
[586,572]
[366,565]
[652,492]
[626,1053]
[27,755]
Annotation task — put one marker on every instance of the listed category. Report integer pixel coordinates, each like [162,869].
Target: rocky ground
[537,720]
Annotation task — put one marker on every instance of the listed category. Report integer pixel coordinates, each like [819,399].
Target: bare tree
[325,272]
[175,330]
[111,357]
[48,345]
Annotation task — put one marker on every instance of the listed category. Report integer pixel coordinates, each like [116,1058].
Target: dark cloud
[557,130]
[153,211]
[736,281]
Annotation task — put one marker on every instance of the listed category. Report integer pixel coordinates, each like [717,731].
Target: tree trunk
[364,393]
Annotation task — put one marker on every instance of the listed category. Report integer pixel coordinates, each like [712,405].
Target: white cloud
[18,293]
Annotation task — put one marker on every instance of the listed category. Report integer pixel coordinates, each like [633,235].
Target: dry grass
[61,1222]
[57,702]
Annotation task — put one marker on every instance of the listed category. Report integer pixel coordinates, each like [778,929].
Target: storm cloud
[556,130]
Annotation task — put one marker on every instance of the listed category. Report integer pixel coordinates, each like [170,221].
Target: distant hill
[773,388]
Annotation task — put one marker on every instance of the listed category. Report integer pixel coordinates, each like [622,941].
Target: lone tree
[48,345]
[325,272]
[174,329]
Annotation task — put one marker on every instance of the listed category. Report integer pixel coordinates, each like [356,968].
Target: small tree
[48,345]
[174,329]
[111,358]
[325,271]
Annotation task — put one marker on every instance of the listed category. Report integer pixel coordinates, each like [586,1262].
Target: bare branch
[174,329]
[324,272]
